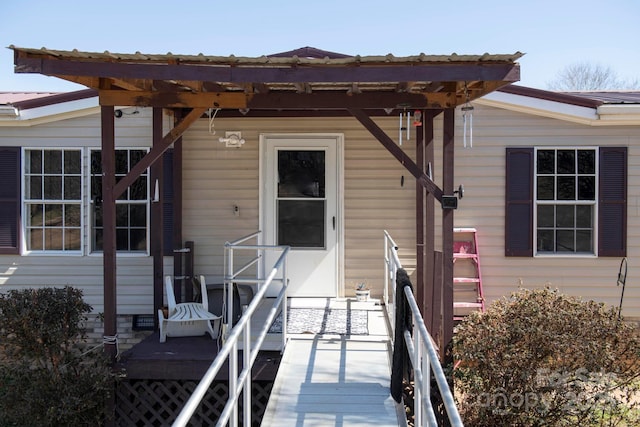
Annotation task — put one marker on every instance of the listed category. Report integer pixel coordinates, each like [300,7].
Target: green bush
[47,378]
[541,358]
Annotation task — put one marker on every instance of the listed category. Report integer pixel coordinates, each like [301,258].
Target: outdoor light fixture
[232,139]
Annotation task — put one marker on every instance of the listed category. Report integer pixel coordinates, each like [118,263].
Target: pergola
[302,82]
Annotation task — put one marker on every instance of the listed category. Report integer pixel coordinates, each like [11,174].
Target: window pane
[546,190]
[545,241]
[72,187]
[36,215]
[566,161]
[34,239]
[53,239]
[545,216]
[72,239]
[586,188]
[34,188]
[34,161]
[122,215]
[122,239]
[53,188]
[98,239]
[301,173]
[584,241]
[138,190]
[566,188]
[584,215]
[72,162]
[564,241]
[565,216]
[72,216]
[53,161]
[546,162]
[136,156]
[586,161]
[96,162]
[138,215]
[301,223]
[138,239]
[122,162]
[53,215]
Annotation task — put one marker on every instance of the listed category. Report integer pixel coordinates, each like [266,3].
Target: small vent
[142,322]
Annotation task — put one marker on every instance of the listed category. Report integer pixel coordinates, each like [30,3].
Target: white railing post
[420,348]
[241,382]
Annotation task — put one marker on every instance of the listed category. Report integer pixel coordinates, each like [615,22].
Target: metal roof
[305,78]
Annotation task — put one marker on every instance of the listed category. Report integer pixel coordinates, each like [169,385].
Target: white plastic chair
[187,319]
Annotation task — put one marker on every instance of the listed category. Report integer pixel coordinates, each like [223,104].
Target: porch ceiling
[302,79]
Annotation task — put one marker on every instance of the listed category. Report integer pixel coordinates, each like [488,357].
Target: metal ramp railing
[417,342]
[239,381]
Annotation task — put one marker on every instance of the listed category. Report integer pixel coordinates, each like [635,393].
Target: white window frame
[24,203]
[556,202]
[91,250]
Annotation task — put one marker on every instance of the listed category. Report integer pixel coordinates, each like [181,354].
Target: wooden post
[429,224]
[109,231]
[420,192]
[447,233]
[156,229]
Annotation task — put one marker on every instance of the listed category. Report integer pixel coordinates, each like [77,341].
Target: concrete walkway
[336,380]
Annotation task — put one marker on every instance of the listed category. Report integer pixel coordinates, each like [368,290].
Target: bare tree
[586,76]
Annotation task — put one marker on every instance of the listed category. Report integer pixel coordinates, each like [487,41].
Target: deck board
[336,380]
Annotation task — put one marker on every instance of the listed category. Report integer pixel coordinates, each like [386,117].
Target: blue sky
[552,34]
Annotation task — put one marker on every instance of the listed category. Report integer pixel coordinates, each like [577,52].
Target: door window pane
[301,223]
[301,173]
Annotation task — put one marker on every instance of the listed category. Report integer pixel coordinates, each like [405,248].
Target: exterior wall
[134,272]
[217,178]
[482,171]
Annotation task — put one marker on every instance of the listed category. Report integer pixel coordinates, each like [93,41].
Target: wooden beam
[341,100]
[397,152]
[284,74]
[173,99]
[157,150]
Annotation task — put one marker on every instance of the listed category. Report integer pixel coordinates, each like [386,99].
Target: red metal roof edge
[551,96]
[55,99]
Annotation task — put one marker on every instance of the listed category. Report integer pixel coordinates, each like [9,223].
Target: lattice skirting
[158,402]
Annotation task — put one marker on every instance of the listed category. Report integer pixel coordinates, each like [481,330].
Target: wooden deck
[336,380]
[186,358]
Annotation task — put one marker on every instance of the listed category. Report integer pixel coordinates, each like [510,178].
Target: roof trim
[561,106]
[57,98]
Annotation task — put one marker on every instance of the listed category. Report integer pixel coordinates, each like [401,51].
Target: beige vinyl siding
[134,272]
[482,171]
[217,178]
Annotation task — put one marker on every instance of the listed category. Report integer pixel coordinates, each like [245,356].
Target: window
[53,200]
[131,206]
[579,199]
[565,201]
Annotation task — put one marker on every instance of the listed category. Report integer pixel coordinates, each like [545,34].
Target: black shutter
[10,200]
[612,202]
[519,202]
[167,202]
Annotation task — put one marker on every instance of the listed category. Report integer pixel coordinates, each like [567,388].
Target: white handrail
[242,381]
[422,354]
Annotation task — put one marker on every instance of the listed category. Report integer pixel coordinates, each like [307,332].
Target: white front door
[301,209]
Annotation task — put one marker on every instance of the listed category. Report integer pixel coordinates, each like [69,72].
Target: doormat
[321,321]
